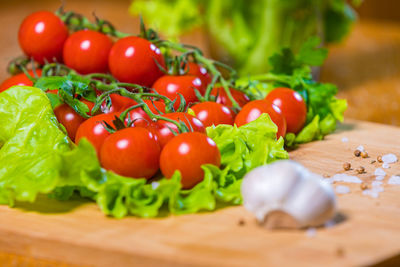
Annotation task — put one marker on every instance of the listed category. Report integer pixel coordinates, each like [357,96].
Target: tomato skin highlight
[86,51]
[292,105]
[93,130]
[42,35]
[222,98]
[131,152]
[187,153]
[70,119]
[172,85]
[19,79]
[133,60]
[254,109]
[211,113]
[200,72]
[162,129]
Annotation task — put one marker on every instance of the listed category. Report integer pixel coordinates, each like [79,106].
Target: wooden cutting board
[76,233]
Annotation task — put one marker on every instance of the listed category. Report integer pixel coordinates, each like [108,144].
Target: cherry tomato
[87,51]
[131,152]
[69,118]
[133,60]
[292,105]
[200,72]
[187,153]
[93,130]
[19,79]
[223,98]
[172,85]
[164,130]
[42,35]
[252,110]
[211,113]
[139,117]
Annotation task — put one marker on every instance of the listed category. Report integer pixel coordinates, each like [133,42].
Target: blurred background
[365,64]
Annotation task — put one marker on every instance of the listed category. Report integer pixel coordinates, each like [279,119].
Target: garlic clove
[265,195]
[313,203]
[284,194]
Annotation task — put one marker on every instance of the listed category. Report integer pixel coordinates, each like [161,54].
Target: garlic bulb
[284,194]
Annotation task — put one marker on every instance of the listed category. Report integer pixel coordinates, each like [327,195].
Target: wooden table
[76,232]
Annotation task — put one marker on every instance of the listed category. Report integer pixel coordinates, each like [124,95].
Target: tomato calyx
[117,124]
[148,34]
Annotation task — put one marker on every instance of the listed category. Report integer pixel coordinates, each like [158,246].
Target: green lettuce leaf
[249,146]
[36,157]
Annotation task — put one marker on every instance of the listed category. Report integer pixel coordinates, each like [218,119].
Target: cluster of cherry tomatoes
[147,145]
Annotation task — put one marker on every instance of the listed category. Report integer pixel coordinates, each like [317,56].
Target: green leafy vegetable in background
[293,71]
[250,30]
[36,157]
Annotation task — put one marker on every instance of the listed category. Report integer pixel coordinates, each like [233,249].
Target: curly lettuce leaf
[36,157]
[249,146]
[242,149]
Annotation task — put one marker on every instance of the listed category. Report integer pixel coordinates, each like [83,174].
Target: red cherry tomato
[292,105]
[133,60]
[164,130]
[139,117]
[223,98]
[201,72]
[87,51]
[93,130]
[19,79]
[42,35]
[211,113]
[187,153]
[172,85]
[131,152]
[252,110]
[69,118]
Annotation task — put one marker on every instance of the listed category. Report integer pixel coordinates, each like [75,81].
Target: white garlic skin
[289,187]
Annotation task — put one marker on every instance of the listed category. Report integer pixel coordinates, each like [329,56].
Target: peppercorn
[364,154]
[379,158]
[360,170]
[346,166]
[357,153]
[364,186]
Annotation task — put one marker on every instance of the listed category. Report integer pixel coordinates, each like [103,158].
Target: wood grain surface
[367,230]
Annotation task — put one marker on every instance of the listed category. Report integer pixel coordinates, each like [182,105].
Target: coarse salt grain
[385,165]
[345,139]
[394,180]
[342,189]
[360,148]
[311,232]
[329,224]
[342,177]
[377,189]
[154,185]
[389,158]
[379,172]
[376,183]
[379,178]
[370,193]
